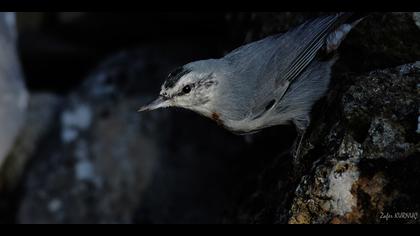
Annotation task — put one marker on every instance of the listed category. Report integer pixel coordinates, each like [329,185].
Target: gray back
[262,71]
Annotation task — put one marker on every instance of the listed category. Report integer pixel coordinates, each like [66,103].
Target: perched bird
[273,81]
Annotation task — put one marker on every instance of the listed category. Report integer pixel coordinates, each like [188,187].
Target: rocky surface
[41,112]
[13,94]
[100,156]
[367,160]
[360,157]
[97,175]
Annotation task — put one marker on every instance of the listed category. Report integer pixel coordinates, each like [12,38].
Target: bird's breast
[216,117]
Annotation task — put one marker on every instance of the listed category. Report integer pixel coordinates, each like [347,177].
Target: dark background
[200,168]
[59,49]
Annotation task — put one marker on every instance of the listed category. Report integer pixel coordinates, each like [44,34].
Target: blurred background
[74,149]
[84,154]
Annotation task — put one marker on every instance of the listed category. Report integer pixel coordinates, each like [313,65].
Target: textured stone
[359,158]
[41,112]
[416,17]
[379,111]
[99,160]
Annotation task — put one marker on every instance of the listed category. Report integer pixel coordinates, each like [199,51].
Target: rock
[354,178]
[99,159]
[358,162]
[416,17]
[382,40]
[41,112]
[13,95]
[39,121]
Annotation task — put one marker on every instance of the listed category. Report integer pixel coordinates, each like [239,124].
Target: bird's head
[191,86]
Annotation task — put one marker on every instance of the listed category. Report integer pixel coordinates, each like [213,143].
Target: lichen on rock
[388,103]
[359,157]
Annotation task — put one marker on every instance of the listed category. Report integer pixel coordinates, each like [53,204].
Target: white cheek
[178,101]
[174,101]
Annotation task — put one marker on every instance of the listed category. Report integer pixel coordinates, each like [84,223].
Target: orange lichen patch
[354,217]
[301,218]
[372,187]
[336,221]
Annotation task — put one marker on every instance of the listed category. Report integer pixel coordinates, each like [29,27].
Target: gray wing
[263,70]
[291,53]
[297,48]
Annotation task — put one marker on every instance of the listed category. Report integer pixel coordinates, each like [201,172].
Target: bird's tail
[345,22]
[356,17]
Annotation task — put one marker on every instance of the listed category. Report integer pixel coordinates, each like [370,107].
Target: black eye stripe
[186,89]
[174,76]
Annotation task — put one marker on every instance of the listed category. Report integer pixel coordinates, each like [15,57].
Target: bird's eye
[186,89]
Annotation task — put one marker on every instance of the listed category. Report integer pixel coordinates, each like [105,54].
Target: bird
[273,81]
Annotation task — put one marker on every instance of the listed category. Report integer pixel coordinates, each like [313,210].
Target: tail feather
[337,36]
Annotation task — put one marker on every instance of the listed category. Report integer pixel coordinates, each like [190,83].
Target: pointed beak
[158,103]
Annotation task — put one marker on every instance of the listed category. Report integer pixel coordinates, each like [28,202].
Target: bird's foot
[297,145]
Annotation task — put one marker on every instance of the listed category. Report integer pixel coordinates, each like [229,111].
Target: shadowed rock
[13,96]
